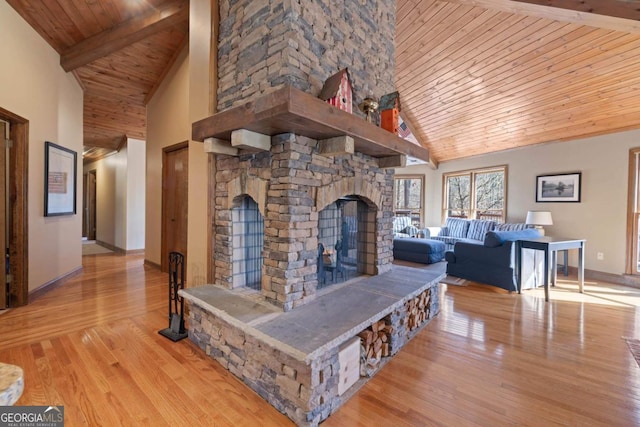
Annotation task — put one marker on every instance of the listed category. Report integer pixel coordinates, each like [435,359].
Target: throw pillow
[496,238]
[457,227]
[479,227]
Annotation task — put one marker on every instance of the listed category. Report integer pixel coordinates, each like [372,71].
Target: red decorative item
[390,112]
[337,91]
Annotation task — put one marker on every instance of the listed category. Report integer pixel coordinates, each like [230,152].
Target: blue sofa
[469,230]
[493,261]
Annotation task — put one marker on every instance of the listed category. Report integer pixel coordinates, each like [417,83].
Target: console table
[551,246]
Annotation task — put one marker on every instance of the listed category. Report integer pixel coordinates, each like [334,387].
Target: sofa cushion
[478,228]
[400,223]
[457,227]
[496,238]
[512,227]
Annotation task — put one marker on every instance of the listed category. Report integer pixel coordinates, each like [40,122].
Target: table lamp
[538,219]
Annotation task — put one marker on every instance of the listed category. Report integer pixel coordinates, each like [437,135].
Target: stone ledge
[367,300]
[291,358]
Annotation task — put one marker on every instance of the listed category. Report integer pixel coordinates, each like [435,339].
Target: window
[478,194]
[408,195]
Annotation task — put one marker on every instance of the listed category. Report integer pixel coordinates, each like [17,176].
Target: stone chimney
[264,46]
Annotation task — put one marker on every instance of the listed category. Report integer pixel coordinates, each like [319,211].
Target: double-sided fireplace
[341,249]
[290,221]
[304,210]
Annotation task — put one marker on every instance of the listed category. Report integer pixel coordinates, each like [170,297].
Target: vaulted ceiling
[119,51]
[475,76]
[478,76]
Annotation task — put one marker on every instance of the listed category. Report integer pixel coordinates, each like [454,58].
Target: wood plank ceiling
[479,76]
[119,50]
[475,76]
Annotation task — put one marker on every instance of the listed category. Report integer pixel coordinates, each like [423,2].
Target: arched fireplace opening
[248,243]
[346,235]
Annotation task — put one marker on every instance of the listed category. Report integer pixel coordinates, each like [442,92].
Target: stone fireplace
[291,184]
[295,179]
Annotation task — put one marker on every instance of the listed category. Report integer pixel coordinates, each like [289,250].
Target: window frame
[473,175]
[421,177]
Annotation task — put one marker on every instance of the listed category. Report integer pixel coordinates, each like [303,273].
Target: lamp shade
[539,218]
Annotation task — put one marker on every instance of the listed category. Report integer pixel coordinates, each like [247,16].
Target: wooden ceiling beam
[548,11]
[616,8]
[134,30]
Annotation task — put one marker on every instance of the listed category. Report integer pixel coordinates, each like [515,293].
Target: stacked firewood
[374,345]
[418,310]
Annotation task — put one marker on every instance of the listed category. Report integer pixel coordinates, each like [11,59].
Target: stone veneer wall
[303,387]
[291,183]
[265,44]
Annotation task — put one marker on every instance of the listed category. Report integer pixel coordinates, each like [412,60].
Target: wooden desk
[551,246]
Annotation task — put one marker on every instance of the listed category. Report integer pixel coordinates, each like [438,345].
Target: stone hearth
[292,359]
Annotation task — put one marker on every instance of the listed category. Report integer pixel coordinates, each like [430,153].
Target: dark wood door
[3,215]
[175,187]
[91,205]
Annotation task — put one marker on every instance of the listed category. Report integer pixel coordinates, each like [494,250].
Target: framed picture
[563,187]
[60,172]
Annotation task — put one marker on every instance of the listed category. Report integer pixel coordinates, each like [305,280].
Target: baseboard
[52,284]
[110,247]
[600,276]
[119,250]
[152,264]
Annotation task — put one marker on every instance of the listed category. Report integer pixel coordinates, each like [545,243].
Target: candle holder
[368,106]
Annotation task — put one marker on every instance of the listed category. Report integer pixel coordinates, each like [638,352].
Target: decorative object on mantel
[538,219]
[390,112]
[561,187]
[368,106]
[337,91]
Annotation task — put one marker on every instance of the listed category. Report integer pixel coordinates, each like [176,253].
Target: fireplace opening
[248,242]
[342,241]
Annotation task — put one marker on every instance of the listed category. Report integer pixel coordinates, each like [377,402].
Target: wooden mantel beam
[134,30]
[289,110]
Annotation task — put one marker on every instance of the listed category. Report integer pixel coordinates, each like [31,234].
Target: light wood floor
[489,359]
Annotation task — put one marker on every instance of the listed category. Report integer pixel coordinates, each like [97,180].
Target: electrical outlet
[600,256]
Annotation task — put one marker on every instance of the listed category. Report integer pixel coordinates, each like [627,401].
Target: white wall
[181,99]
[167,124]
[34,86]
[200,106]
[600,217]
[120,196]
[136,169]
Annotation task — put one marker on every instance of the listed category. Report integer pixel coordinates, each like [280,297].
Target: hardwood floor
[489,358]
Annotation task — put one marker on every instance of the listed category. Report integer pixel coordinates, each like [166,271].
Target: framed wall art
[562,187]
[60,173]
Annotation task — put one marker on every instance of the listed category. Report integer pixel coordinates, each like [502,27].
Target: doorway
[89,205]
[175,191]
[4,285]
[15,203]
[633,214]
